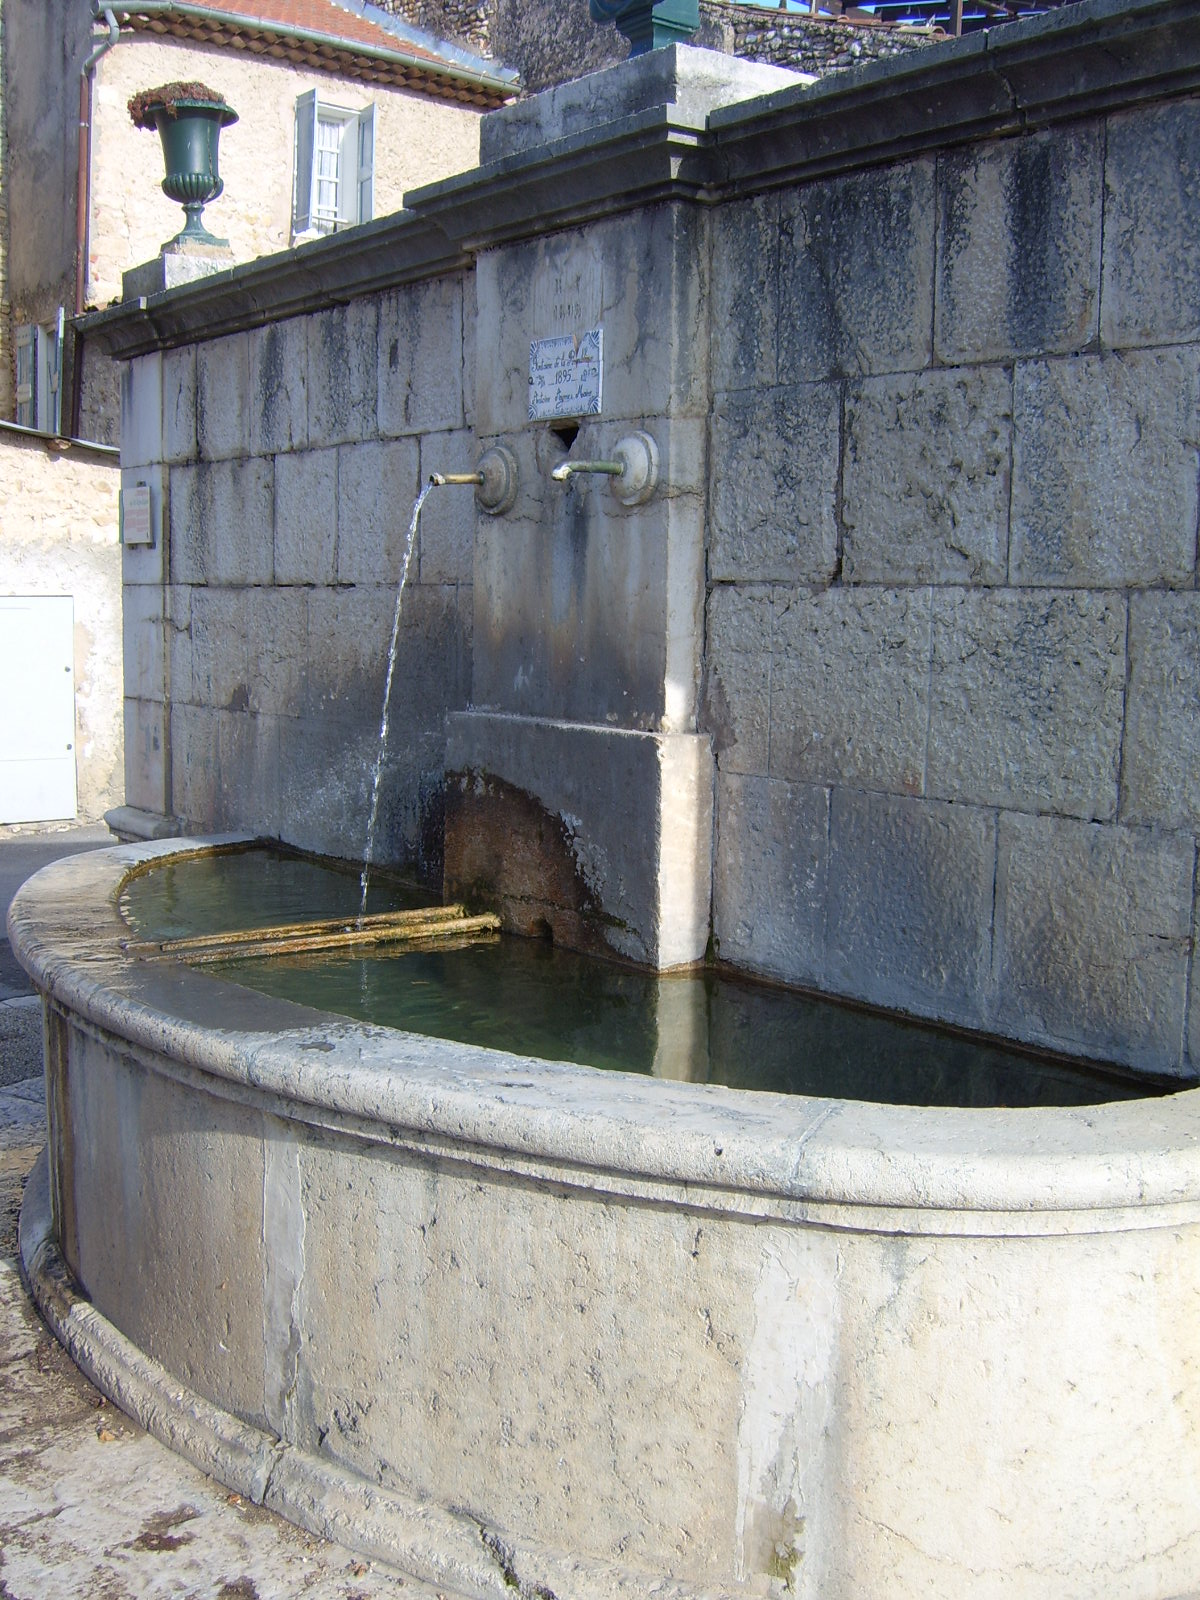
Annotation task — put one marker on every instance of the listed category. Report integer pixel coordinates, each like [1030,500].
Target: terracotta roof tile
[329,36]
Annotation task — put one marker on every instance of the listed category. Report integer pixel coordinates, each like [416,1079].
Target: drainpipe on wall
[83,192]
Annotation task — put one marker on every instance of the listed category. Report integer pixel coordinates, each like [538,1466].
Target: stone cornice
[1085,60]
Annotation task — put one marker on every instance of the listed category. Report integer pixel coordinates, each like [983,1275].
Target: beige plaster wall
[417,141]
[59,536]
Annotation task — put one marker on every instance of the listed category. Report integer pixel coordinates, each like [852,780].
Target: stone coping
[557,171]
[844,1164]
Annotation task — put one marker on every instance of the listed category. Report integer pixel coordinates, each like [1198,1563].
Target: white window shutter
[366,163]
[304,180]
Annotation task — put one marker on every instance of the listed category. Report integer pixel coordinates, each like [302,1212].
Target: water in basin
[528,997]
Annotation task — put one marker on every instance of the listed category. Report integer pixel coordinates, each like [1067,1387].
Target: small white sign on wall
[566,376]
[137,526]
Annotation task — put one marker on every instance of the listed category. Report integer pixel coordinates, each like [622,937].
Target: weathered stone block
[774,468]
[248,796]
[278,382]
[177,624]
[862,307]
[926,478]
[446,538]
[306,521]
[770,873]
[348,633]
[591,610]
[1093,927]
[643,279]
[469,340]
[1104,469]
[343,373]
[1151,222]
[142,411]
[377,487]
[420,358]
[223,397]
[179,404]
[145,755]
[1018,268]
[144,642]
[250,649]
[1160,771]
[1027,697]
[850,687]
[737,689]
[910,904]
[222,522]
[745,280]
[195,781]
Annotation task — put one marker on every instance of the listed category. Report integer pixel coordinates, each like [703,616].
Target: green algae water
[529,998]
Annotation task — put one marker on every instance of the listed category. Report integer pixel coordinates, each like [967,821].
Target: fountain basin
[517,1324]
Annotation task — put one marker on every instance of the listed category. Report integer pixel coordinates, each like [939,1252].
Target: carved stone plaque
[566,375]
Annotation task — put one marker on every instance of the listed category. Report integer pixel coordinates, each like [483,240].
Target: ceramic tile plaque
[566,375]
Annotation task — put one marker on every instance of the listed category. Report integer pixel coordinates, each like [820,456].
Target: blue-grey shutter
[305,149]
[366,164]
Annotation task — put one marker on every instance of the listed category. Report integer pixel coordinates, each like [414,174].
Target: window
[39,373]
[334,167]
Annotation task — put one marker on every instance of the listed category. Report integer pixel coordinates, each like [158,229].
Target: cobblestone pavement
[91,1507]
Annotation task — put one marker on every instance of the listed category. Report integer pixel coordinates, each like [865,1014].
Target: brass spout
[439,480]
[568,469]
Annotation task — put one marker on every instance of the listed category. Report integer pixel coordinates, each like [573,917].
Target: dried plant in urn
[188,118]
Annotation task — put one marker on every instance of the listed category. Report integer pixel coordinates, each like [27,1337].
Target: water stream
[381,752]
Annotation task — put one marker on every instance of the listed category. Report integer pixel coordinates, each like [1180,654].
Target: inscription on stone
[566,375]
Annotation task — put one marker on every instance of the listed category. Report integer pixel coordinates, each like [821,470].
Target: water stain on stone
[238,1589]
[157,1534]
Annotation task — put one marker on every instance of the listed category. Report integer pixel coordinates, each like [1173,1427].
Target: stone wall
[7,354]
[551,43]
[59,536]
[288,460]
[953,626]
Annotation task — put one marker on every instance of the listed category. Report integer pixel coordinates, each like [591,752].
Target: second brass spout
[566,470]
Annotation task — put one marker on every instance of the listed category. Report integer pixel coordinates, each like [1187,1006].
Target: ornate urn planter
[188,118]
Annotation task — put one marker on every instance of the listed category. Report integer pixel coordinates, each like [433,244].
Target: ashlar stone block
[223,397]
[343,373]
[745,287]
[446,539]
[142,411]
[278,379]
[1018,264]
[222,516]
[1027,696]
[774,479]
[926,478]
[1160,772]
[377,488]
[1093,927]
[250,649]
[737,689]
[1151,223]
[1104,469]
[144,643]
[850,686]
[306,522]
[420,358]
[910,904]
[856,274]
[179,404]
[770,874]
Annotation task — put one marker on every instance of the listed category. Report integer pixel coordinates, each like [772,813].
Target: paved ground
[92,1508]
